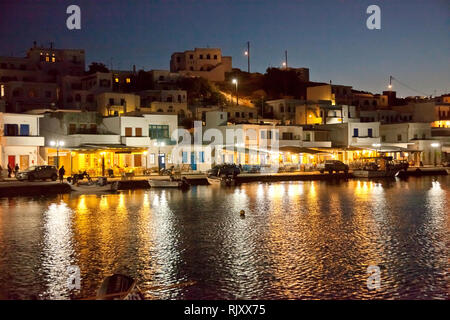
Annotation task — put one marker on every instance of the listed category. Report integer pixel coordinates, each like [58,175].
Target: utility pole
[248,56]
[285,59]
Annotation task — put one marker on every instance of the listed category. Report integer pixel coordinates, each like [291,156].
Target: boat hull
[167,184]
[374,173]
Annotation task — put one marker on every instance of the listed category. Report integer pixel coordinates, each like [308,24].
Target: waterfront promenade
[12,187]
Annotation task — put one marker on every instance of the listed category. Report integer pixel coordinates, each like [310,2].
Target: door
[193,163]
[12,161]
[162,161]
[24,162]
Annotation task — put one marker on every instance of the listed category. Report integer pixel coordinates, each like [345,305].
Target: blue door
[193,163]
[162,161]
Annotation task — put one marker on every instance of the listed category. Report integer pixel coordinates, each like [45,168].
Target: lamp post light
[103,163]
[145,157]
[376,146]
[57,144]
[435,146]
[235,82]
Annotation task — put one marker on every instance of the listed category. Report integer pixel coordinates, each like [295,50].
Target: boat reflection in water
[298,240]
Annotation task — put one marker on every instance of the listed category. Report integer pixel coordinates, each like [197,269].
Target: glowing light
[234,81]
[435,145]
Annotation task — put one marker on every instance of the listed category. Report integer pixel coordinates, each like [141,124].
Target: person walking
[9,170]
[62,171]
[16,170]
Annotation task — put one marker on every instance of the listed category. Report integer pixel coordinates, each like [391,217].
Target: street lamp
[103,163]
[376,146]
[159,145]
[145,157]
[57,144]
[235,82]
[435,146]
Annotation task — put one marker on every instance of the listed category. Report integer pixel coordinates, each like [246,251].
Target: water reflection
[297,240]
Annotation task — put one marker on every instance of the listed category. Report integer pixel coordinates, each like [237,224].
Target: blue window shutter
[355,132]
[24,129]
[184,160]
[202,156]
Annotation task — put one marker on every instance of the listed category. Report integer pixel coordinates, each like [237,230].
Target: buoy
[242,213]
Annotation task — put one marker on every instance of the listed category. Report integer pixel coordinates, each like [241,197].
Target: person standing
[9,170]
[62,171]
[16,170]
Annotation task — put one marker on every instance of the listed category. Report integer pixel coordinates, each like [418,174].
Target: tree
[97,67]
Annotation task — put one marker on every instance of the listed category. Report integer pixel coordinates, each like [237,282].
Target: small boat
[119,287]
[375,173]
[378,167]
[94,188]
[181,184]
[221,181]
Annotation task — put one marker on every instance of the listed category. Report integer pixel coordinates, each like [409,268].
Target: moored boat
[378,167]
[119,287]
[221,181]
[169,183]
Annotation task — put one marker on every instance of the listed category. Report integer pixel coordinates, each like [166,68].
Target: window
[178,59]
[383,138]
[111,101]
[287,136]
[122,102]
[138,160]
[11,130]
[281,109]
[201,56]
[158,132]
[2,90]
[355,132]
[250,114]
[424,136]
[399,137]
[128,132]
[215,57]
[24,129]
[116,80]
[263,134]
[152,158]
[369,132]
[191,56]
[237,114]
[93,128]
[127,80]
[184,157]
[72,128]
[138,132]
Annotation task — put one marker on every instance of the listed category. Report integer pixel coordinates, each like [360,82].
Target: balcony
[136,141]
[364,141]
[22,141]
[317,144]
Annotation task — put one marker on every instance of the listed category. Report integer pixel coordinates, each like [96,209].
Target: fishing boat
[377,167]
[181,184]
[119,287]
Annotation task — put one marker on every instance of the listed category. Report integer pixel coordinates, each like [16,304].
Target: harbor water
[297,240]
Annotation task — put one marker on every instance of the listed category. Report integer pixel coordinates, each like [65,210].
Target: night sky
[329,37]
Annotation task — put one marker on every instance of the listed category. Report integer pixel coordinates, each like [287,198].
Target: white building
[415,138]
[20,140]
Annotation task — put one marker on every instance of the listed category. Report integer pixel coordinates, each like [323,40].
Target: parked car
[38,173]
[334,165]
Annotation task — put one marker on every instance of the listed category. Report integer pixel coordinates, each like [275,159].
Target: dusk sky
[329,37]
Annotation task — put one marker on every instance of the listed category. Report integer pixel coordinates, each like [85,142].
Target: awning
[110,147]
[293,149]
